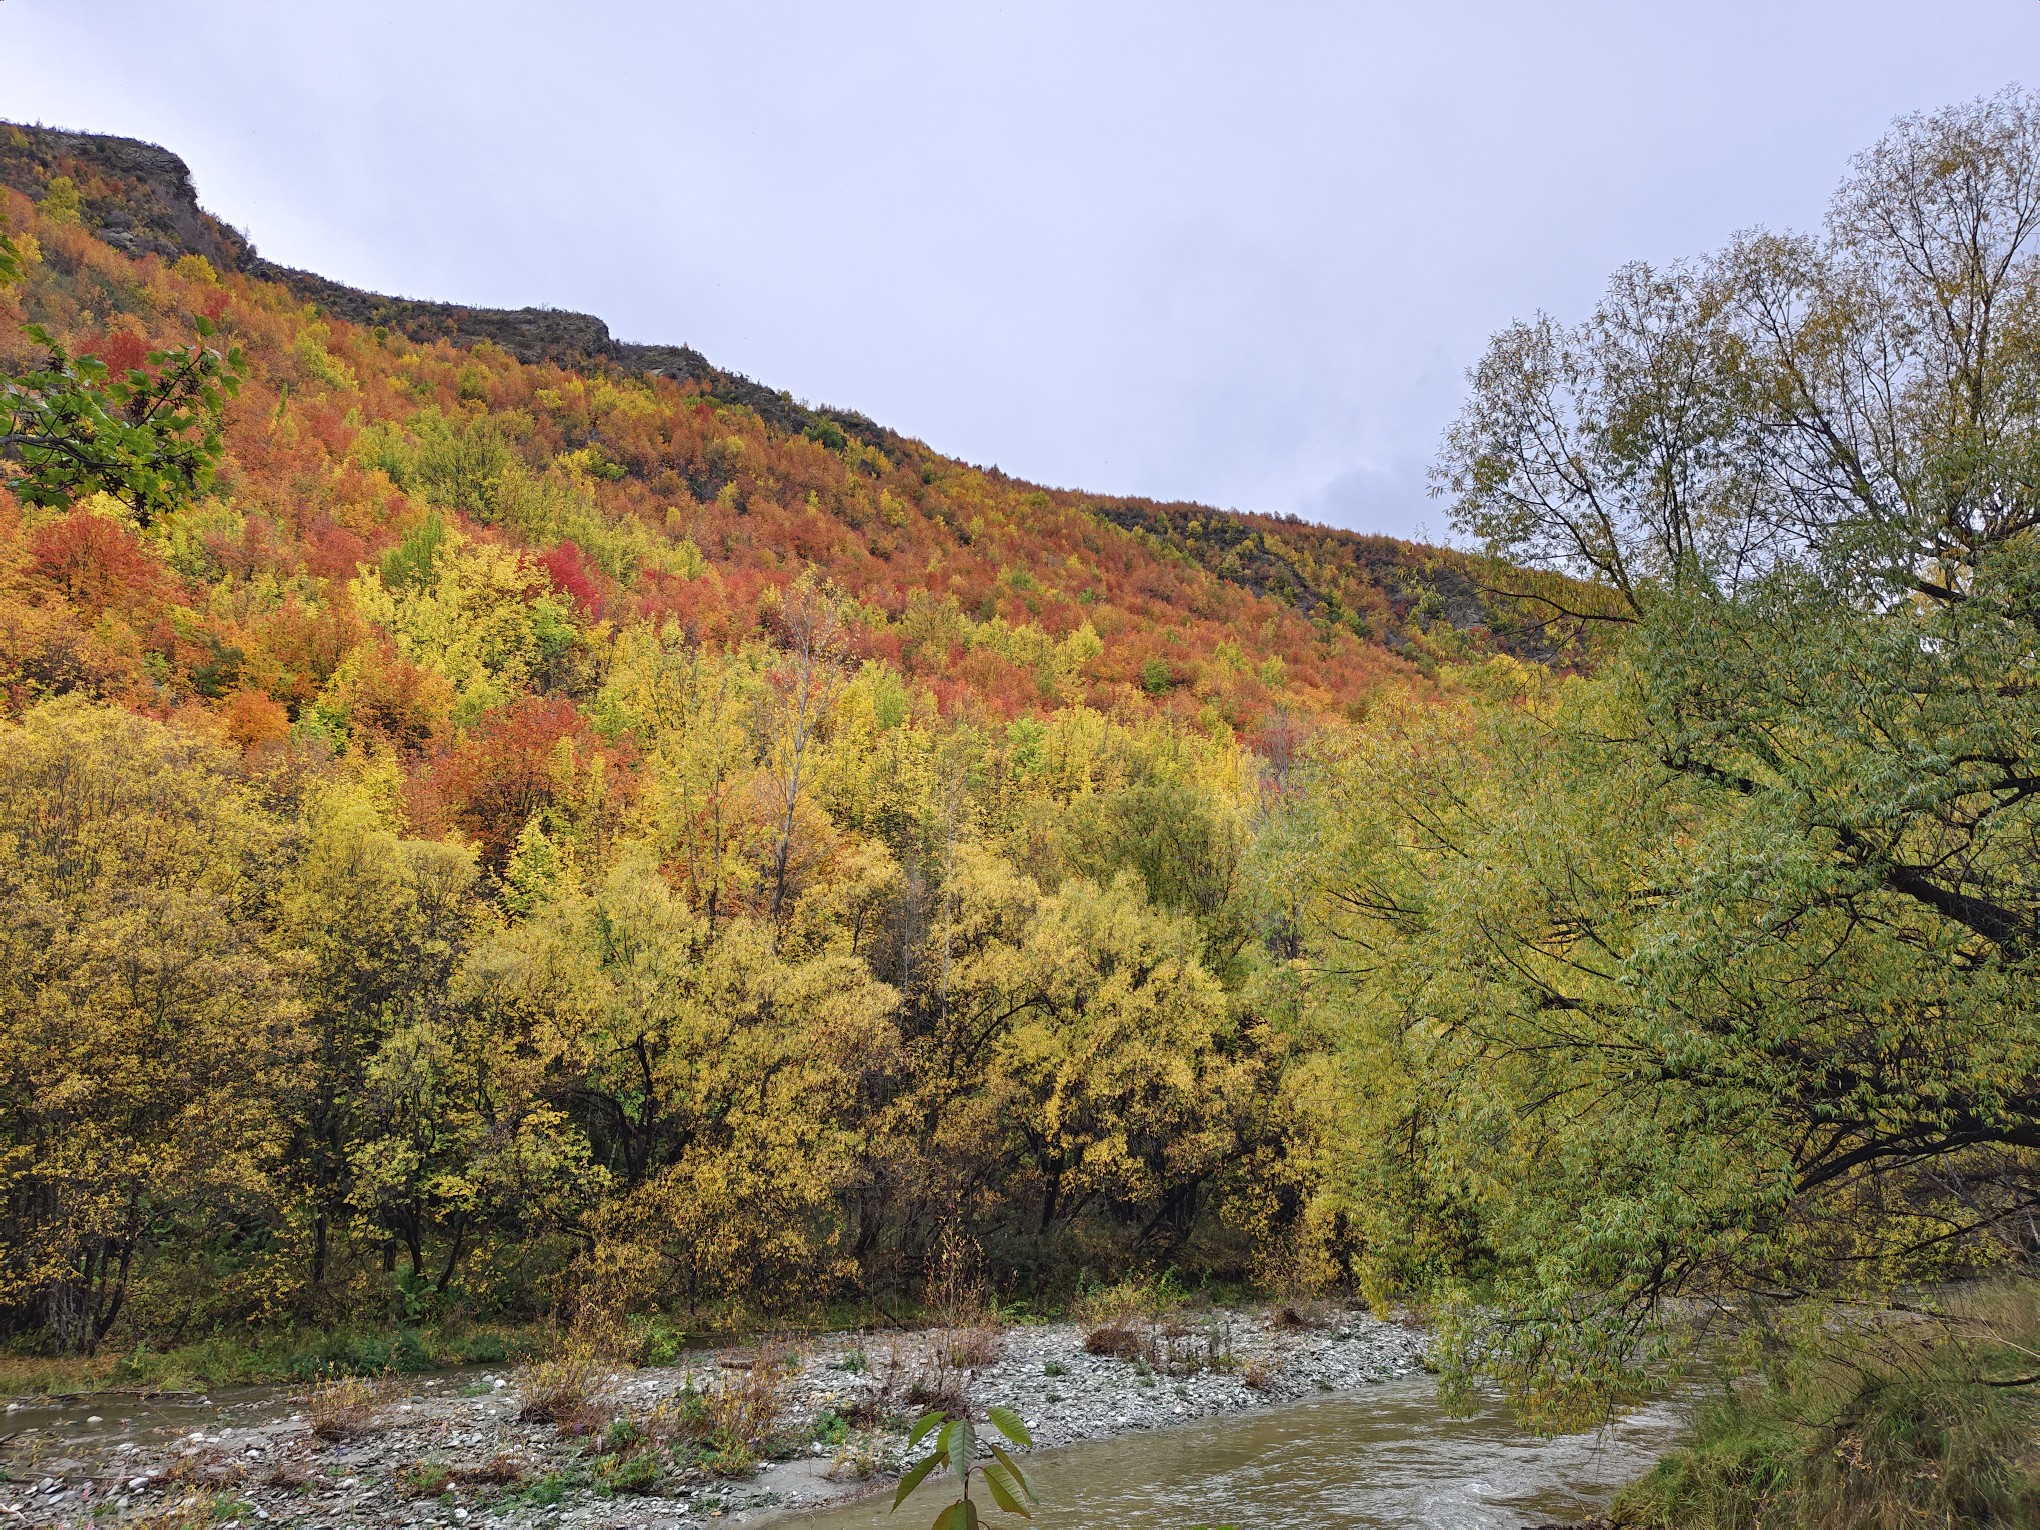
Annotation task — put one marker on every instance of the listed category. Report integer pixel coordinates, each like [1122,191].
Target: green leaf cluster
[150,437]
[955,1447]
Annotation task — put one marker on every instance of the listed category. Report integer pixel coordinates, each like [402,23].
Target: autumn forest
[499,825]
[527,825]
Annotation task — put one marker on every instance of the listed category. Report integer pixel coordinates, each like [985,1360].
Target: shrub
[560,1392]
[1125,1320]
[976,1347]
[730,1425]
[344,1408]
[483,1349]
[212,1468]
[1302,1315]
[654,1341]
[291,1472]
[742,1411]
[499,1470]
[859,1457]
[831,1428]
[636,1471]
[548,1490]
[1119,1339]
[354,1354]
[1896,1424]
[423,1479]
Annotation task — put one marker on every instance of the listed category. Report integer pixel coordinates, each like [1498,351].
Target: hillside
[603,831]
[627,464]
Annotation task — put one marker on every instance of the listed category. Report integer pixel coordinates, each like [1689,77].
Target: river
[1384,1456]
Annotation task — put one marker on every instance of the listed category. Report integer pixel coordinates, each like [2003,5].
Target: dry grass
[966,1337]
[858,1459]
[193,1511]
[744,1408]
[940,1387]
[874,1407]
[57,1375]
[977,1347]
[939,1370]
[561,1392]
[1258,1373]
[291,1472]
[1121,1339]
[499,1470]
[1165,1342]
[205,1469]
[345,1407]
[1137,1320]
[1879,1421]
[734,1421]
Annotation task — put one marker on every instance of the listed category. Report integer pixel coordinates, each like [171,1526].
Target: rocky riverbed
[824,1417]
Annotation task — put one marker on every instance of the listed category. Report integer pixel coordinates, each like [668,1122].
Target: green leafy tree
[150,437]
[377,925]
[1710,977]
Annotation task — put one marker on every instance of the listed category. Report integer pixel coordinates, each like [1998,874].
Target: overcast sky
[1239,254]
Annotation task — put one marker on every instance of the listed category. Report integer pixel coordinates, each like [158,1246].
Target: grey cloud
[1236,254]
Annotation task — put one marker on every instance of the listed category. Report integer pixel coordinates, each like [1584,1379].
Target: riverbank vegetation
[502,842]
[1907,1419]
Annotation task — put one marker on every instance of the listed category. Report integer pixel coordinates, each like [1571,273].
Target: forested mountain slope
[654,485]
[598,829]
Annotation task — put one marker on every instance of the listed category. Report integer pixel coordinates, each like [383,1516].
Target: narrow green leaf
[922,1425]
[950,1518]
[914,1479]
[970,1519]
[961,1442]
[1009,1423]
[1019,1476]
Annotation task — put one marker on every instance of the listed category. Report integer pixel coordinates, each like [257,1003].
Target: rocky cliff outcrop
[140,199]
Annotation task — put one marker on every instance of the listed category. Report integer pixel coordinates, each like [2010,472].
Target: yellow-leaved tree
[145,1024]
[717,1079]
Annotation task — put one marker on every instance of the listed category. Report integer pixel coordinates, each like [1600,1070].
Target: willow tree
[1714,975]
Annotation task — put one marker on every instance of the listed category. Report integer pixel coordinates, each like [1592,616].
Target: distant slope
[139,198]
[362,405]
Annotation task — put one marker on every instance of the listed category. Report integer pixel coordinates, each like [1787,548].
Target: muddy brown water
[1386,1455]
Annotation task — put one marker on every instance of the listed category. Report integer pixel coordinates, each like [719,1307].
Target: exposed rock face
[136,196]
[1317,569]
[140,199]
